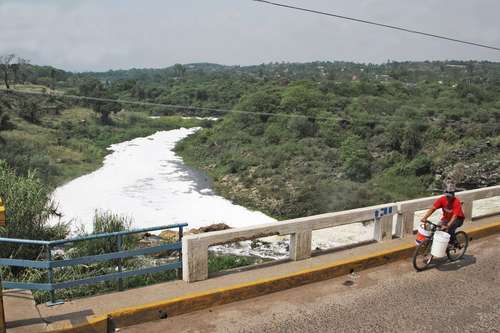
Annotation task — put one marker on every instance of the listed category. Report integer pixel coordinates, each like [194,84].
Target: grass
[37,88]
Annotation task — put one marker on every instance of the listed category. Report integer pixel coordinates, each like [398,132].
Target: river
[146,181]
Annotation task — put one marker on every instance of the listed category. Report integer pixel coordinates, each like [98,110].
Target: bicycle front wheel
[422,256]
[457,250]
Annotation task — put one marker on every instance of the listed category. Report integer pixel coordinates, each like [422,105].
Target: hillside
[61,139]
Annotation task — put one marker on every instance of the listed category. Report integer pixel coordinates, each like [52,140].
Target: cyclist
[453,216]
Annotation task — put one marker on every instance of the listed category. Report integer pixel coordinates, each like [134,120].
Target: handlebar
[437,226]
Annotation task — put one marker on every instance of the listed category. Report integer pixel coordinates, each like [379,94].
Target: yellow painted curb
[94,324]
[193,302]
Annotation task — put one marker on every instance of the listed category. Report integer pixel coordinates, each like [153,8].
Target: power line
[166,106]
[379,24]
[383,121]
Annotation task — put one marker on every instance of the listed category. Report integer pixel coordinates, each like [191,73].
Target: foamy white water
[145,180]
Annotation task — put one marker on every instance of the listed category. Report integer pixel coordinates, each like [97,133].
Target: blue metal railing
[119,255]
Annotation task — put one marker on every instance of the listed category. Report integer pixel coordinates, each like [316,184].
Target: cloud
[109,34]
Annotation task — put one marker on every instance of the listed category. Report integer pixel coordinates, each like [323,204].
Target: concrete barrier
[195,247]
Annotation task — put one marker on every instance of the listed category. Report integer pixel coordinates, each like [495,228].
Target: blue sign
[382,212]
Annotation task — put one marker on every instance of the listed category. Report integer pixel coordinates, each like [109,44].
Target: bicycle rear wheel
[422,256]
[457,250]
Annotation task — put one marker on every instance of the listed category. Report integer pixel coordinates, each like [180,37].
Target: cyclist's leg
[458,223]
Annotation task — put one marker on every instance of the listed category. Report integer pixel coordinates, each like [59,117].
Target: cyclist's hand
[423,220]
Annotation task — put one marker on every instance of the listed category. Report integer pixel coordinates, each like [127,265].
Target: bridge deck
[79,310]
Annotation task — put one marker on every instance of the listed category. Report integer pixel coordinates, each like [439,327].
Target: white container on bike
[422,234]
[440,243]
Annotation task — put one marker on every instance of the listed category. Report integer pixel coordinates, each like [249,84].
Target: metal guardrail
[50,264]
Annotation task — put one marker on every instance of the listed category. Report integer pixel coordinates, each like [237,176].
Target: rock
[169,235]
[206,191]
[149,240]
[473,175]
[210,228]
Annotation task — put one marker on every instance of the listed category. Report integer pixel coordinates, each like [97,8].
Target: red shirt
[449,209]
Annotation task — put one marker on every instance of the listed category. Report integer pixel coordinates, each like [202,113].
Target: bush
[356,159]
[28,209]
[30,111]
[104,222]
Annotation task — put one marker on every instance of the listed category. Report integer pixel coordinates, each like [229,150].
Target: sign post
[3,325]
[2,214]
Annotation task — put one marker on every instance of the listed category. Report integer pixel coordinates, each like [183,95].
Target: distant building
[383,77]
[457,66]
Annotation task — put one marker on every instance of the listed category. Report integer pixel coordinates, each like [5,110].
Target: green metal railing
[50,264]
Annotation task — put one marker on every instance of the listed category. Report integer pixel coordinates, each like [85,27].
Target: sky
[98,35]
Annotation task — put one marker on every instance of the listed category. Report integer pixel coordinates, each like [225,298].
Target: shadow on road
[456,265]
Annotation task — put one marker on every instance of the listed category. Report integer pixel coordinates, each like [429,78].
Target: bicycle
[455,250]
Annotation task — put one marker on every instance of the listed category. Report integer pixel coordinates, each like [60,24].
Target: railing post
[119,243]
[179,270]
[383,227]
[467,209]
[52,301]
[3,323]
[300,245]
[51,276]
[408,221]
[398,219]
[195,259]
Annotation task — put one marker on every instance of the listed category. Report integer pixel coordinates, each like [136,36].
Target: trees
[262,101]
[30,111]
[10,66]
[94,88]
[356,159]
[5,67]
[5,123]
[179,70]
[105,109]
[18,69]
[302,97]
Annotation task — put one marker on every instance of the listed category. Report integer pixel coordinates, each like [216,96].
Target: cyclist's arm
[452,221]
[429,212]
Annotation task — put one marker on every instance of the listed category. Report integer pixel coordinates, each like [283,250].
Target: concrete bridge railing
[407,209]
[195,247]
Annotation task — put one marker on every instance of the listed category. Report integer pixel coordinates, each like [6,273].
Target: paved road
[453,297]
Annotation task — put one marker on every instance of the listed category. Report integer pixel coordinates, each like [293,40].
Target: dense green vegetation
[359,142]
